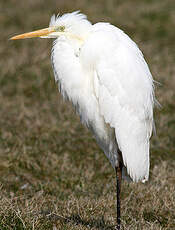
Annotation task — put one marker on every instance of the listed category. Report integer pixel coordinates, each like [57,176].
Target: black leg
[118,170]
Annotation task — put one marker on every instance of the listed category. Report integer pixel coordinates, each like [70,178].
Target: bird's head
[71,25]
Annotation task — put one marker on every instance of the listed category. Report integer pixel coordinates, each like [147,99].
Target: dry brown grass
[52,173]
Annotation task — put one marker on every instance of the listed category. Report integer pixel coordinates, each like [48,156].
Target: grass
[52,173]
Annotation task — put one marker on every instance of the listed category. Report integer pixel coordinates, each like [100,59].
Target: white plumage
[103,72]
[108,81]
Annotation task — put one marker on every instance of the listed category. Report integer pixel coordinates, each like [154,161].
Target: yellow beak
[36,33]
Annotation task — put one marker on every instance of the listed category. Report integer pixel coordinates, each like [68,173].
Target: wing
[124,89]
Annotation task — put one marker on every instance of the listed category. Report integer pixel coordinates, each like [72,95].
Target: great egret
[104,74]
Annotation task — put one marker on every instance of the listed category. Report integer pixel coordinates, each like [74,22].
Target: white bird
[104,74]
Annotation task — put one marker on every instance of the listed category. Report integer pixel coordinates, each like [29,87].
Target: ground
[52,173]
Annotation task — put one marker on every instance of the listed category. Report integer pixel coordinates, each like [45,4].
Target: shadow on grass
[75,219]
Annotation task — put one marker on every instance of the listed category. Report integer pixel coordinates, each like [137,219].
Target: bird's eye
[61,28]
